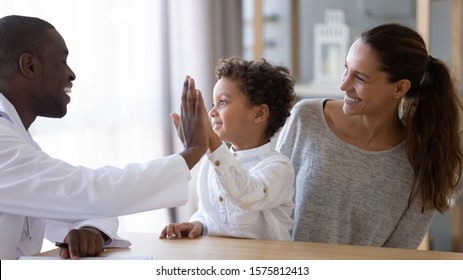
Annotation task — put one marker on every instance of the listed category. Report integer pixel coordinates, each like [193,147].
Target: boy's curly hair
[262,83]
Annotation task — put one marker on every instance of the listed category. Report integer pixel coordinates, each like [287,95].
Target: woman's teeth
[351,99]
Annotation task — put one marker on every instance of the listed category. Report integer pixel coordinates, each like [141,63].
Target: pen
[62,245]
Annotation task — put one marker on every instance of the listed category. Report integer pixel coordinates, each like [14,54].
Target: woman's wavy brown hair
[431,112]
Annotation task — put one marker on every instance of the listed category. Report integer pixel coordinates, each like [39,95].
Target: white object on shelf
[330,47]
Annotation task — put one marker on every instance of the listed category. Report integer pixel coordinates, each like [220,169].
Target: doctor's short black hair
[262,83]
[18,35]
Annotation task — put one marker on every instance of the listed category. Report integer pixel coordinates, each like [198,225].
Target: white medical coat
[36,188]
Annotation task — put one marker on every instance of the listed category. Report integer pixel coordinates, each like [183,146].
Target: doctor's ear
[26,65]
[261,113]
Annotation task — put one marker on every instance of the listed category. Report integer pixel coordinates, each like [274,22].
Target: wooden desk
[217,248]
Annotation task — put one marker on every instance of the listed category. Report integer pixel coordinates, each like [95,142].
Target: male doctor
[40,194]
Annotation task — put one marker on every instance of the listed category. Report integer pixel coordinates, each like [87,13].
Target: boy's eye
[221,102]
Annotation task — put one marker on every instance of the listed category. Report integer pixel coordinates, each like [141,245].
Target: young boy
[246,190]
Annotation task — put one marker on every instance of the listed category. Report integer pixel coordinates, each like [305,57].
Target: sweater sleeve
[411,228]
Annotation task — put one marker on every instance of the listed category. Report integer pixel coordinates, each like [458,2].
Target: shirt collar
[8,111]
[5,108]
[258,151]
[5,116]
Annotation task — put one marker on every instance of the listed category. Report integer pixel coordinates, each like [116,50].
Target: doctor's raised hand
[192,124]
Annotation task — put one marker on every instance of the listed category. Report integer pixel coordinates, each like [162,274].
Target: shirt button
[217,163]
[235,154]
[220,199]
[265,189]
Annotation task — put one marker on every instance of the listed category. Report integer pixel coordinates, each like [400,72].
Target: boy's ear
[261,113]
[26,65]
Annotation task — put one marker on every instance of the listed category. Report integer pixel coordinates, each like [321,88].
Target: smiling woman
[359,163]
